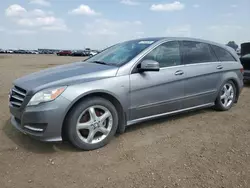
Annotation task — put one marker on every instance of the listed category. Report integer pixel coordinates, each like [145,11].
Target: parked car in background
[51,52]
[45,52]
[64,53]
[9,51]
[20,52]
[78,53]
[93,53]
[28,51]
[86,52]
[34,52]
[133,81]
[2,51]
[245,59]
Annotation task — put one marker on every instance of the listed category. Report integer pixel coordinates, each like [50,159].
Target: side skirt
[168,113]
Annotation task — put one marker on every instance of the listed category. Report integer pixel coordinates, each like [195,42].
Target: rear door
[203,72]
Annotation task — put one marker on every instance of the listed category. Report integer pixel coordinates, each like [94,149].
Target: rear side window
[196,52]
[222,54]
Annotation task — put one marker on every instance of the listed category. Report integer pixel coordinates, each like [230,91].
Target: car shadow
[163,119]
[30,144]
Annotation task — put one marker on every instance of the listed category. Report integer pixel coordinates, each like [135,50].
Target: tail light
[242,70]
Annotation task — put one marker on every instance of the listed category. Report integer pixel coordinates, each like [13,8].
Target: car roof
[156,39]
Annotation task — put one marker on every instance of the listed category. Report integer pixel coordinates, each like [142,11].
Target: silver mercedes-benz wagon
[87,102]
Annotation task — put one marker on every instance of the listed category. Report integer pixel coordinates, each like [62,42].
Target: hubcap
[227,95]
[94,124]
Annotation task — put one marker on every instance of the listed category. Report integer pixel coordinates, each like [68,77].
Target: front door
[155,93]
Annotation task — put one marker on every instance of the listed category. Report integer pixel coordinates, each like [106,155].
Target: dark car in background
[64,53]
[78,53]
[47,51]
[20,52]
[245,59]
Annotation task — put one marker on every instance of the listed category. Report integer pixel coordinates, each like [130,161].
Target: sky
[77,24]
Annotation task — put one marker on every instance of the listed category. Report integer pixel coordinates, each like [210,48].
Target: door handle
[219,67]
[179,72]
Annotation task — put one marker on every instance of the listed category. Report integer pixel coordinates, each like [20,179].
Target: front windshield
[121,53]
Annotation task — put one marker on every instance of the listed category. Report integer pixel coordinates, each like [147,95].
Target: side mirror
[149,65]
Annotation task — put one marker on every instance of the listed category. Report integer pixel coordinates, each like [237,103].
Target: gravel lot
[198,149]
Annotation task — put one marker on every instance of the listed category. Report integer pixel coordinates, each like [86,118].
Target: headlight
[46,96]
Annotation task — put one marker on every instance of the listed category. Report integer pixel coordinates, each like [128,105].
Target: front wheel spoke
[230,89]
[223,96]
[86,125]
[92,113]
[105,116]
[91,136]
[231,96]
[225,88]
[104,130]
[225,101]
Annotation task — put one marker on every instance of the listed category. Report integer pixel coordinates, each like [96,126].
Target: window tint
[197,52]
[167,54]
[222,54]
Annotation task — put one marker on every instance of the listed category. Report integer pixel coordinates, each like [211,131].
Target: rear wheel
[92,123]
[226,96]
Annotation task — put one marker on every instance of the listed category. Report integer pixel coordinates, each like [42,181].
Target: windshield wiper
[100,62]
[103,63]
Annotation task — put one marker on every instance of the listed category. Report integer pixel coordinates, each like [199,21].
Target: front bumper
[43,122]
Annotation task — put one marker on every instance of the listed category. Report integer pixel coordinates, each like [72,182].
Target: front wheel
[92,123]
[226,96]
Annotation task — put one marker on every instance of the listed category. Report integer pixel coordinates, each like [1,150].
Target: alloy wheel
[94,124]
[227,95]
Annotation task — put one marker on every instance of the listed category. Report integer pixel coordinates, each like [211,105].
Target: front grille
[17,96]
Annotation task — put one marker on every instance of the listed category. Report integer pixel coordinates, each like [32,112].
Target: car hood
[63,75]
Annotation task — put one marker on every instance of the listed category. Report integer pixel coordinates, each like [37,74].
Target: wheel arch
[103,94]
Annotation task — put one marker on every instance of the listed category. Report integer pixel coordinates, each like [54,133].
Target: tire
[82,109]
[219,105]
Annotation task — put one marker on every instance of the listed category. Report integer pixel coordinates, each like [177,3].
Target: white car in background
[92,53]
[9,51]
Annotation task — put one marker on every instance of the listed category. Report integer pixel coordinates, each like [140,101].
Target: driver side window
[167,54]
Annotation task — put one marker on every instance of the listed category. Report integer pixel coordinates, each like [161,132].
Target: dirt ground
[198,149]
